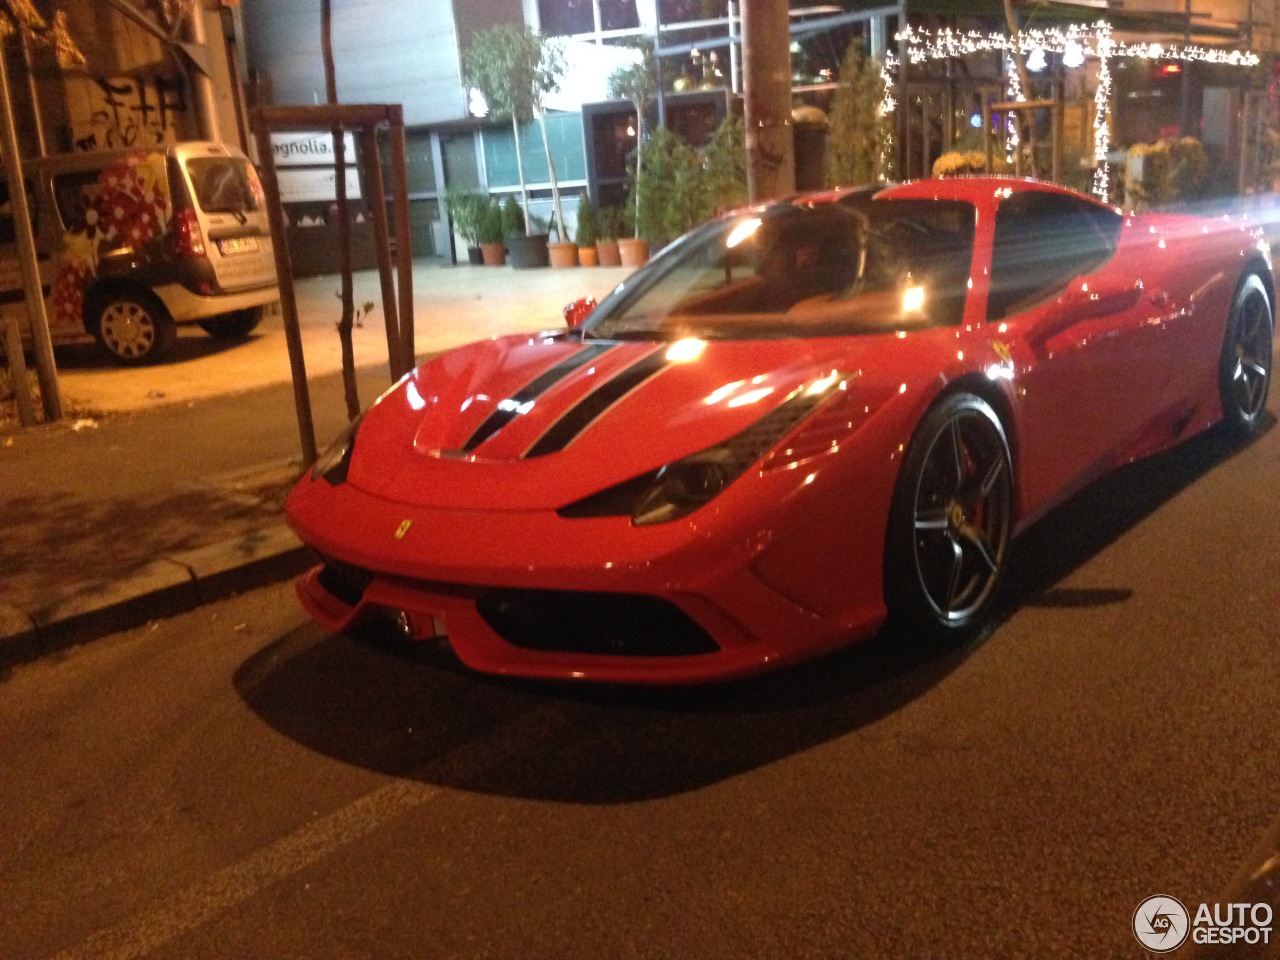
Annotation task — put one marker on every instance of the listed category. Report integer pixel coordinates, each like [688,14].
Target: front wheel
[133,326]
[951,520]
[1244,369]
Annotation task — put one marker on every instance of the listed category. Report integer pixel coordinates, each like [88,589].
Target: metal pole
[407,357]
[766,58]
[46,369]
[288,301]
[201,84]
[735,80]
[34,91]
[382,238]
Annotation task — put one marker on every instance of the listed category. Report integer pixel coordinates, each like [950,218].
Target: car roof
[974,189]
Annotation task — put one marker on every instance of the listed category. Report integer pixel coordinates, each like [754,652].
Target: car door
[1094,368]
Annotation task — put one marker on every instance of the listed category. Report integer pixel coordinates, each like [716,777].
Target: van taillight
[188,238]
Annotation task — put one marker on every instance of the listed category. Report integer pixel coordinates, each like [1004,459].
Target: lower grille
[618,624]
[344,581]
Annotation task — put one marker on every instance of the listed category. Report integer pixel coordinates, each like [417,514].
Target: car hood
[534,423]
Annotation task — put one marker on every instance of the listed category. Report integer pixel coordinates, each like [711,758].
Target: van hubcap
[128,330]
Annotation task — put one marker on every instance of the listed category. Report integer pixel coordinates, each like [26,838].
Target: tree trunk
[1025,123]
[347,318]
[639,147]
[562,233]
[524,190]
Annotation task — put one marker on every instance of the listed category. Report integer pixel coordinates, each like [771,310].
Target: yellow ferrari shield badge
[403,529]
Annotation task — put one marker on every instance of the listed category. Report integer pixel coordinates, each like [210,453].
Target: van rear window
[224,184]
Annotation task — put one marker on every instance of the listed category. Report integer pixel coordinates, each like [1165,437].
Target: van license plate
[234,245]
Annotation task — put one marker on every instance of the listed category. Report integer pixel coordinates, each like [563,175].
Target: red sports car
[795,422]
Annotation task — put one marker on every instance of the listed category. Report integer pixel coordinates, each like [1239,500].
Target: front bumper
[187,307]
[690,606]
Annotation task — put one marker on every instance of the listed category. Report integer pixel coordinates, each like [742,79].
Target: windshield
[225,184]
[830,269]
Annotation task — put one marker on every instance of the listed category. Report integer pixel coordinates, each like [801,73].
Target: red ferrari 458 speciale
[795,422]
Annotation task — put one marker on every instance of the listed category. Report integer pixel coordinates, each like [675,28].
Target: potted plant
[492,250]
[562,251]
[467,209]
[515,68]
[587,231]
[637,82]
[607,241]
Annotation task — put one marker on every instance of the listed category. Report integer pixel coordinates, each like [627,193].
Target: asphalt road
[235,783]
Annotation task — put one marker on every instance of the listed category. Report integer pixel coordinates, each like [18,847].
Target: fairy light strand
[1076,40]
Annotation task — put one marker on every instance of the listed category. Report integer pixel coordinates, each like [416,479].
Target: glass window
[461,169]
[564,132]
[827,270]
[618,15]
[1043,241]
[561,18]
[223,185]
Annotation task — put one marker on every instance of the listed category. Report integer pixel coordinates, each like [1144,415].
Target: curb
[160,588]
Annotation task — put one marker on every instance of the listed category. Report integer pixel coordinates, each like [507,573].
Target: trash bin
[809,126]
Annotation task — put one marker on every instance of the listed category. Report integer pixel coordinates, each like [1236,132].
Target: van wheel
[132,326]
[232,326]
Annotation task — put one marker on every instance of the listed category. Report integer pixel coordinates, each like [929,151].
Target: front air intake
[610,624]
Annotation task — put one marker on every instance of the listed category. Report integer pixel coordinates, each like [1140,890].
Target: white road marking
[225,889]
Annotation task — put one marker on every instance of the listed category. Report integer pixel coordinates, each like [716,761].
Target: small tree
[515,68]
[637,82]
[681,187]
[856,126]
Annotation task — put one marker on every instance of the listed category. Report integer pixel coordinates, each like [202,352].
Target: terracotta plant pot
[608,252]
[587,256]
[634,252]
[563,254]
[493,254]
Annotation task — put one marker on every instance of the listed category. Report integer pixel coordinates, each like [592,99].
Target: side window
[8,230]
[1042,241]
[71,193]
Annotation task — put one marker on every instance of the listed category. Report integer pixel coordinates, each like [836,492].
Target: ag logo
[1161,923]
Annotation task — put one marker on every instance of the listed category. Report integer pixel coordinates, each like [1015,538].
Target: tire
[951,521]
[232,326]
[131,325]
[1244,369]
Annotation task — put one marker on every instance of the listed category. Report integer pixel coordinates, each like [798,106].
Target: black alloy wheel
[1244,372]
[951,522]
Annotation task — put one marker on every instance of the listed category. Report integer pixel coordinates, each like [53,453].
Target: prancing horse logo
[403,529]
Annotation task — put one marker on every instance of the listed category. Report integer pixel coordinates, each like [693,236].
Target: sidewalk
[166,492]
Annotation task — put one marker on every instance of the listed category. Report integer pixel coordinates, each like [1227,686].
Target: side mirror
[578,311]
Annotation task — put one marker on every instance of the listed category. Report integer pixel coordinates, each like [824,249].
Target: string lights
[1074,43]
[887,105]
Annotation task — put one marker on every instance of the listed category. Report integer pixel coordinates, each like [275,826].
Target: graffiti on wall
[112,112]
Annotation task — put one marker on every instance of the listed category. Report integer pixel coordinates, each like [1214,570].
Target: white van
[133,242]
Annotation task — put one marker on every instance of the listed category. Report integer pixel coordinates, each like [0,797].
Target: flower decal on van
[126,206]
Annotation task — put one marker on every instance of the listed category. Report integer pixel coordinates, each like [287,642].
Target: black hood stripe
[585,412]
[509,409]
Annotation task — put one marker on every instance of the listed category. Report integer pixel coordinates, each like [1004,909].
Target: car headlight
[678,488]
[334,462]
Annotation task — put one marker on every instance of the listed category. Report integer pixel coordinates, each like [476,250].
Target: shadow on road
[190,345]
[403,710]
